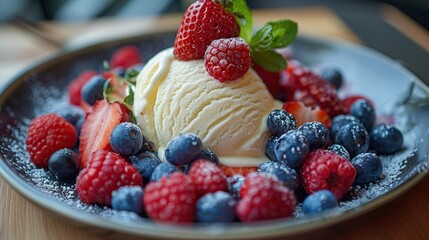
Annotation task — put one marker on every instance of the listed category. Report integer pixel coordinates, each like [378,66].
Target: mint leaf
[106,66]
[283,33]
[242,14]
[269,60]
[107,89]
[129,100]
[263,39]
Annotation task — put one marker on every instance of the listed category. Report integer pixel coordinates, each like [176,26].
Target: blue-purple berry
[340,150]
[164,169]
[316,134]
[368,167]
[333,76]
[145,163]
[183,149]
[218,207]
[71,113]
[206,154]
[364,112]
[284,173]
[234,185]
[128,198]
[270,148]
[93,90]
[126,139]
[319,201]
[64,164]
[386,139]
[354,138]
[280,122]
[292,148]
[340,121]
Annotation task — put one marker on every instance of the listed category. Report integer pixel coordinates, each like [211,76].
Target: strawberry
[227,59]
[348,101]
[203,22]
[47,134]
[313,90]
[119,86]
[125,57]
[171,199]
[97,127]
[264,197]
[305,114]
[75,87]
[207,177]
[106,172]
[231,171]
[271,80]
[324,169]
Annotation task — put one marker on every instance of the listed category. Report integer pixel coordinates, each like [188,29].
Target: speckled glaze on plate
[41,89]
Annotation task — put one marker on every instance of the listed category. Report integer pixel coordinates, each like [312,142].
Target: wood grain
[405,218]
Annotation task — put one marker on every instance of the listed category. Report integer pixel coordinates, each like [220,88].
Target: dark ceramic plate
[41,89]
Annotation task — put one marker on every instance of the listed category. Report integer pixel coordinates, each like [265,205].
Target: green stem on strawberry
[242,14]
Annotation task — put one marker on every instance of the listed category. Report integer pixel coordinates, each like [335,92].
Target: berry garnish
[145,163]
[353,137]
[171,199]
[93,89]
[71,113]
[340,150]
[183,149]
[270,148]
[227,59]
[98,126]
[128,198]
[164,169]
[203,22]
[75,87]
[333,76]
[106,172]
[207,177]
[315,91]
[64,164]
[348,101]
[386,139]
[319,201]
[324,169]
[209,155]
[125,57]
[264,197]
[364,112]
[126,138]
[271,81]
[284,173]
[234,185]
[47,134]
[291,148]
[305,114]
[316,134]
[216,207]
[368,167]
[231,171]
[279,122]
[340,121]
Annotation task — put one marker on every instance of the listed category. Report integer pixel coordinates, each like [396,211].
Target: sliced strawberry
[97,127]
[75,87]
[125,57]
[231,171]
[304,114]
[348,101]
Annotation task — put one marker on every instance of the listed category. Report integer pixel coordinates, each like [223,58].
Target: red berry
[313,90]
[119,85]
[47,134]
[264,197]
[171,199]
[203,22]
[207,177]
[324,169]
[126,56]
[97,127]
[106,172]
[271,80]
[305,114]
[231,171]
[75,87]
[227,59]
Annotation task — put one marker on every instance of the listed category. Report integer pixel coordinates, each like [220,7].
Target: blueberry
[64,164]
[340,150]
[363,111]
[333,76]
[316,134]
[270,148]
[234,185]
[145,163]
[126,139]
[279,121]
[292,148]
[354,138]
[216,207]
[368,167]
[386,139]
[183,149]
[340,121]
[206,154]
[284,173]
[93,90]
[128,198]
[71,113]
[319,201]
[146,146]
[164,169]
[78,125]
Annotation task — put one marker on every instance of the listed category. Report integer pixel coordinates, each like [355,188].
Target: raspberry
[47,134]
[106,172]
[203,22]
[324,169]
[264,197]
[227,59]
[171,199]
[231,171]
[208,178]
[75,87]
[125,57]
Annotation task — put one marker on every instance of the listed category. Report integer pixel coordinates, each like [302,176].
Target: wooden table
[404,218]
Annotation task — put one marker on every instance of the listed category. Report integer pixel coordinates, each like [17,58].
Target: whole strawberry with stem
[203,22]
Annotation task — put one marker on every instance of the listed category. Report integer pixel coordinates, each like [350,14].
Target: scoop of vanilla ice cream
[173,97]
